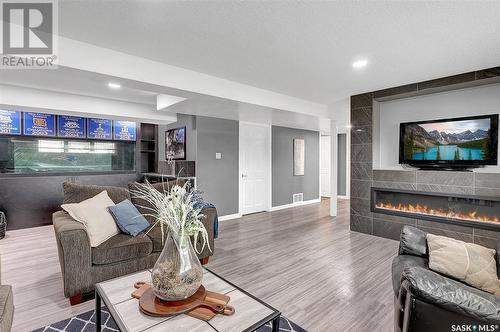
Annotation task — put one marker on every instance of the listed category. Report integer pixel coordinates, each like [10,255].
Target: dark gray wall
[284,183]
[218,178]
[189,121]
[342,166]
[30,201]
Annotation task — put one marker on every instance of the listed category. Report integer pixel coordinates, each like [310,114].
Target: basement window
[104,147]
[78,147]
[28,155]
[50,146]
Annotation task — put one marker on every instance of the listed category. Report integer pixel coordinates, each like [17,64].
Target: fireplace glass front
[450,208]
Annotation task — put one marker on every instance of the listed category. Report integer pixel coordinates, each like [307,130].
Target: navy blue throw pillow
[128,218]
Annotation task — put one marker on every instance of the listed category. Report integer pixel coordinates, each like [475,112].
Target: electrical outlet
[218,155]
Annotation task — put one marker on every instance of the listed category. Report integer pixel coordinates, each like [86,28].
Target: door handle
[244,175]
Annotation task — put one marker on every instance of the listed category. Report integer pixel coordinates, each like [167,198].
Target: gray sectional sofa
[83,266]
[6,306]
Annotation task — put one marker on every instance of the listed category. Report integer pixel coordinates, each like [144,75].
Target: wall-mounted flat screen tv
[458,142]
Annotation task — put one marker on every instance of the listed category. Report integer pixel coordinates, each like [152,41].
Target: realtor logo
[28,33]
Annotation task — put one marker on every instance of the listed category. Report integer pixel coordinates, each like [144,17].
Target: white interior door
[325,166]
[255,166]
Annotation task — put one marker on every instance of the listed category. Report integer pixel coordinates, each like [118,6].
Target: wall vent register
[297,198]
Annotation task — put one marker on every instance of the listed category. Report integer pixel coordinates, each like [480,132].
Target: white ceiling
[302,49]
[78,82]
[84,83]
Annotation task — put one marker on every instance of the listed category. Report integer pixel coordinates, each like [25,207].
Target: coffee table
[251,312]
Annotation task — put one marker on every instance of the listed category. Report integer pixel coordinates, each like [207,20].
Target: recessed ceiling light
[114,85]
[359,63]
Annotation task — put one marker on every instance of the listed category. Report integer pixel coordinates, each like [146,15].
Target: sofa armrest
[413,241]
[208,221]
[74,251]
[450,294]
[6,308]
[403,262]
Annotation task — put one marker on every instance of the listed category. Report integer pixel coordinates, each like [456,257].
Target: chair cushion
[129,220]
[467,262]
[76,193]
[94,214]
[452,295]
[120,248]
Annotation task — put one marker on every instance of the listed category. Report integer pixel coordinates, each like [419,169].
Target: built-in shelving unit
[148,147]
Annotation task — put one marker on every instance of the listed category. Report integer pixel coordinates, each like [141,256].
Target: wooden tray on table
[202,305]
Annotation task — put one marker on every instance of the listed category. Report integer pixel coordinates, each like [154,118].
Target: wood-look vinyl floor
[301,261]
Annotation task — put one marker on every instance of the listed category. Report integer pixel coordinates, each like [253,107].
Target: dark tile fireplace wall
[363,176]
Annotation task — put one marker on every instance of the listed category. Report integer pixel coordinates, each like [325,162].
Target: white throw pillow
[94,214]
[468,262]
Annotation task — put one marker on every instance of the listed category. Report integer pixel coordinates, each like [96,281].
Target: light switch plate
[218,155]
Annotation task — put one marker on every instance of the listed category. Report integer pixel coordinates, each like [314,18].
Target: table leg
[97,312]
[276,324]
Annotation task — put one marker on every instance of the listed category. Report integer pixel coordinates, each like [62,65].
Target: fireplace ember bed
[471,210]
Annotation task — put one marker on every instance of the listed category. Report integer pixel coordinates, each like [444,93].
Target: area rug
[86,323]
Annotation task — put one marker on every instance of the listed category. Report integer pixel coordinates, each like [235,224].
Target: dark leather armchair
[425,300]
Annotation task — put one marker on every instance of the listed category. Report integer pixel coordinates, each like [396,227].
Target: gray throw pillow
[128,218]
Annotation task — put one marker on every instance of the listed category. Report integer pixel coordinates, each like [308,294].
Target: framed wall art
[298,156]
[175,144]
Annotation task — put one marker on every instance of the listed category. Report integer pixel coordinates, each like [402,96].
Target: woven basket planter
[3,225]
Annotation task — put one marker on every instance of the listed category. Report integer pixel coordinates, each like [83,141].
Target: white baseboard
[291,205]
[338,196]
[230,216]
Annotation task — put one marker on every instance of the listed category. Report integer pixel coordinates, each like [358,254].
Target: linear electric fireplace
[478,211]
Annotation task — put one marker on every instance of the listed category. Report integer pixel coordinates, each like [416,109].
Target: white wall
[325,165]
[339,111]
[465,102]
